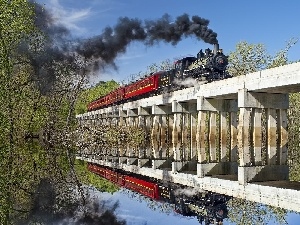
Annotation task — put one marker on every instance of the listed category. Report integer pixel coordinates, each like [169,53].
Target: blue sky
[271,23]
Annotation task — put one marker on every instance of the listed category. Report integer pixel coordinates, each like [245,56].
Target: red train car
[146,188]
[143,86]
[97,169]
[139,88]
[115,177]
[109,99]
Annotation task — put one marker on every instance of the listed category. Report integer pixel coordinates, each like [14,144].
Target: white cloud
[67,16]
[131,56]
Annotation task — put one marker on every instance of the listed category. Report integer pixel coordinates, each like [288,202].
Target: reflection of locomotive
[208,207]
[208,66]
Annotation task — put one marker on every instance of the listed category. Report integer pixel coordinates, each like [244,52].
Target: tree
[16,23]
[242,212]
[88,95]
[249,58]
[32,119]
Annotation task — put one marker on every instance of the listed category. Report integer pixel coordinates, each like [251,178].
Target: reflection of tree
[242,212]
[47,207]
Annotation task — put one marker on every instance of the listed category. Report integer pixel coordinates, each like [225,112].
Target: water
[139,210]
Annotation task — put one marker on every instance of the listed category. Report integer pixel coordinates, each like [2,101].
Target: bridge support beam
[216,149]
[262,119]
[184,141]
[159,136]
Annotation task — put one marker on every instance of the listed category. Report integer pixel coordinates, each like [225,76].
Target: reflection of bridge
[223,136]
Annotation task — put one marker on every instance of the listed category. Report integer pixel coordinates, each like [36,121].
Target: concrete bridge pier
[183,143]
[160,158]
[262,136]
[114,118]
[131,122]
[122,150]
[215,137]
[144,151]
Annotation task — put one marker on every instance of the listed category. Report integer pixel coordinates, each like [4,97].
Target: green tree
[16,23]
[242,212]
[88,178]
[88,95]
[249,58]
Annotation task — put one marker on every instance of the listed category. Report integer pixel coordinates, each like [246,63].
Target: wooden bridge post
[114,125]
[262,145]
[233,137]
[170,152]
[201,137]
[176,141]
[193,134]
[148,146]
[192,165]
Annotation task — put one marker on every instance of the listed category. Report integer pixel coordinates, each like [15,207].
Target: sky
[272,23]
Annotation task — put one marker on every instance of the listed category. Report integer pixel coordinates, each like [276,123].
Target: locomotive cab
[182,65]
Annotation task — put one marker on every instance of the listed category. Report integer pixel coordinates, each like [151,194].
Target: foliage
[294,136]
[48,196]
[16,23]
[88,178]
[281,57]
[33,120]
[163,65]
[242,212]
[91,94]
[102,138]
[249,58]
[153,68]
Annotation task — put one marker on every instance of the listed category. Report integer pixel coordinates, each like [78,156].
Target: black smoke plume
[58,48]
[47,47]
[114,40]
[48,209]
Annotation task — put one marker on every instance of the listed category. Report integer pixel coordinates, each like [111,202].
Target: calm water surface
[139,210]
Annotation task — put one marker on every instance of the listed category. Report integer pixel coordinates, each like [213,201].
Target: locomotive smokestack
[216,49]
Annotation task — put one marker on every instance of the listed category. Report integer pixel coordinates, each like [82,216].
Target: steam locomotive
[208,207]
[208,66]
